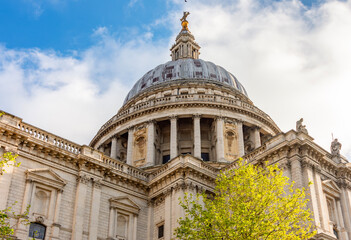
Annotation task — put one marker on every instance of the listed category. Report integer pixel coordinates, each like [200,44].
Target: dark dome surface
[183,69]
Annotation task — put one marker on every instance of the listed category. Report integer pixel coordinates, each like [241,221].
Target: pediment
[331,188]
[125,203]
[46,176]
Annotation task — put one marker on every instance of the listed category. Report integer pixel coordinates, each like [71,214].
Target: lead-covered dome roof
[185,69]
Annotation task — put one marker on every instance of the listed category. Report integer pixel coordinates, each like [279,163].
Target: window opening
[165,159]
[161,231]
[37,231]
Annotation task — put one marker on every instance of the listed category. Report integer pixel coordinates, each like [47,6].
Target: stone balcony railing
[49,138]
[71,147]
[125,168]
[210,98]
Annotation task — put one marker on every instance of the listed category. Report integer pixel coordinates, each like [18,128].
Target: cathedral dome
[185,106]
[186,69]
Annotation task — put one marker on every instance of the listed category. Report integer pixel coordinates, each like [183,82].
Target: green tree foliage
[6,229]
[249,203]
[7,159]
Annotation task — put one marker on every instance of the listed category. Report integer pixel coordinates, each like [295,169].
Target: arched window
[37,231]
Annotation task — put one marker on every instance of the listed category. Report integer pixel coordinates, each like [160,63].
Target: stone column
[240,130]
[220,140]
[197,136]
[174,140]
[130,146]
[56,226]
[94,211]
[150,153]
[114,147]
[79,208]
[256,137]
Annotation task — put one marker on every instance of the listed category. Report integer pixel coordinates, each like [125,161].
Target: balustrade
[189,97]
[49,138]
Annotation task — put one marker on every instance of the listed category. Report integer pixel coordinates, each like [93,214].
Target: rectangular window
[160,231]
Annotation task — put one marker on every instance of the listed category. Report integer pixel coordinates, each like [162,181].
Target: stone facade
[167,139]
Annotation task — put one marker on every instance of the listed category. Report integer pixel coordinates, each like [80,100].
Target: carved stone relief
[231,143]
[140,147]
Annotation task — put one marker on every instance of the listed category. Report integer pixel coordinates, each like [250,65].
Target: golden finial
[184,21]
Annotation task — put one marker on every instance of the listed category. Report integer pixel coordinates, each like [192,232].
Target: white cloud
[73,97]
[294,62]
[132,3]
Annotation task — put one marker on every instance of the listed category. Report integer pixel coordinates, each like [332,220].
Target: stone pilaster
[130,146]
[21,231]
[79,207]
[150,222]
[114,147]
[5,180]
[174,139]
[312,195]
[197,136]
[346,208]
[296,172]
[220,140]
[150,154]
[111,227]
[343,233]
[55,232]
[178,211]
[95,209]
[322,202]
[168,215]
[239,125]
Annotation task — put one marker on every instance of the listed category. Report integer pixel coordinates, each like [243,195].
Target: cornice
[184,104]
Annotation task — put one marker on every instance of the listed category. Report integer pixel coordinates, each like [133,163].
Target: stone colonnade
[174,141]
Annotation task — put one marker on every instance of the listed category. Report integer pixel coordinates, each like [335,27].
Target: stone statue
[300,127]
[335,148]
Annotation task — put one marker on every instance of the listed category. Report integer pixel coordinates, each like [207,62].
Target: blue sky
[66,26]
[68,64]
